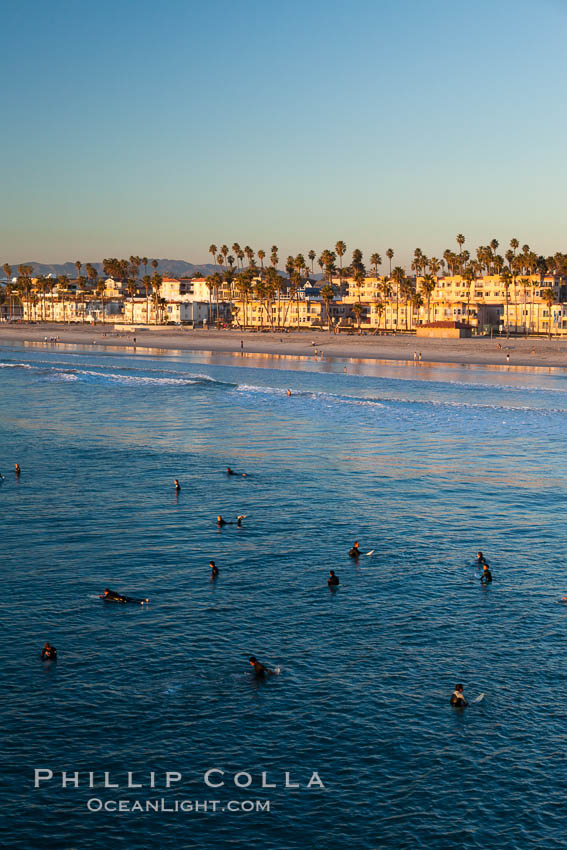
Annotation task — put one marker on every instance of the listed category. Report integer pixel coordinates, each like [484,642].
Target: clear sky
[136,127]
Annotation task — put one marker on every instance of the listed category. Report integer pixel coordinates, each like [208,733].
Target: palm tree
[218,284]
[228,279]
[375,261]
[147,281]
[379,307]
[469,275]
[157,281]
[244,286]
[131,287]
[428,284]
[78,266]
[261,255]
[548,296]
[210,282]
[82,284]
[359,280]
[340,249]
[8,272]
[145,265]
[327,294]
[327,260]
[312,256]
[270,284]
[24,283]
[63,285]
[386,288]
[213,252]
[525,283]
[100,289]
[398,276]
[390,254]
[416,304]
[505,280]
[494,245]
[357,310]
[406,292]
[460,243]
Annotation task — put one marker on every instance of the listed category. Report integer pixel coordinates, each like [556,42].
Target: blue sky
[135,127]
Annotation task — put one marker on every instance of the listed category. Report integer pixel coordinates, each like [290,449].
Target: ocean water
[425,464]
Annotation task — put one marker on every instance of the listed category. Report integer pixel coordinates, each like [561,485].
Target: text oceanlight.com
[95,804]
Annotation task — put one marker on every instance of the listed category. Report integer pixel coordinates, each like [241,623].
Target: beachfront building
[536,317]
[148,311]
[58,307]
[279,313]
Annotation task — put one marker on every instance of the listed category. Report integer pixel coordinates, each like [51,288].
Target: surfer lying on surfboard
[113,596]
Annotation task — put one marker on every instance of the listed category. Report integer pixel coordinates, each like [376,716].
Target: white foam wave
[71,373]
[386,400]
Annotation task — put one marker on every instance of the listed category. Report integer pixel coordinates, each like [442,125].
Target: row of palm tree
[266,284]
[88,287]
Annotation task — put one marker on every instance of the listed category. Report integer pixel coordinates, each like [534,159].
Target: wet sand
[481,351]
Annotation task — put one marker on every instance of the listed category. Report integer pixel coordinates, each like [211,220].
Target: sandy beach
[482,351]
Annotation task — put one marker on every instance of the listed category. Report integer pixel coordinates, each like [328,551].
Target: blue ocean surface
[424,464]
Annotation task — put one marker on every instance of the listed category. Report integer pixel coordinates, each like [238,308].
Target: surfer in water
[48,653]
[480,560]
[486,576]
[214,569]
[221,521]
[17,470]
[458,698]
[230,471]
[355,551]
[113,596]
[260,669]
[333,579]
[177,485]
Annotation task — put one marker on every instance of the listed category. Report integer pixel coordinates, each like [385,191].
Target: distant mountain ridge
[167,268]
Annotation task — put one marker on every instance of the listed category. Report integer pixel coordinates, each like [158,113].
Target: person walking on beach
[242,345]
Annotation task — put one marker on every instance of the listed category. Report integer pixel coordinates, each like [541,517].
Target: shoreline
[478,351]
